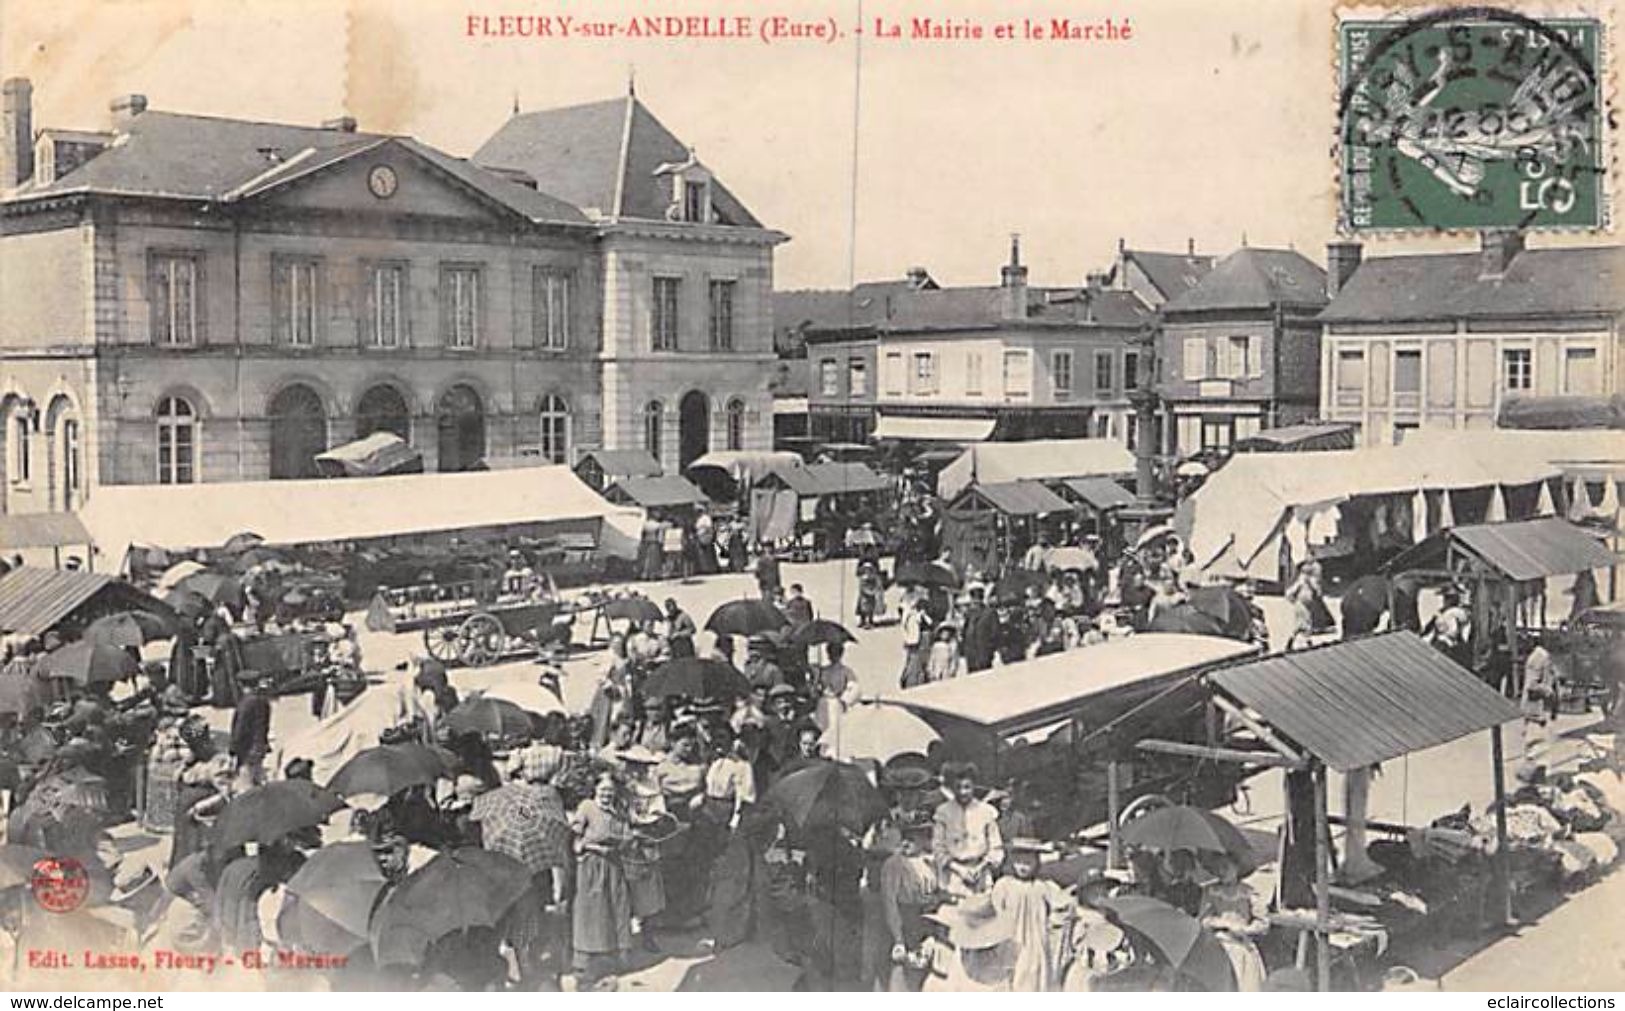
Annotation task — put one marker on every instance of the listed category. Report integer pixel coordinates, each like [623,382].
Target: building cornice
[643,228]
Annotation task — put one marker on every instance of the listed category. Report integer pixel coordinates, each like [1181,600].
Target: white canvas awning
[1039,460]
[901,429]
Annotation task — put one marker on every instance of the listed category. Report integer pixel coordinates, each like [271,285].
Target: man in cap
[251,731]
[965,841]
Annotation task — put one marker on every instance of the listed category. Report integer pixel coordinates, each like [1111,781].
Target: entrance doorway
[461,421]
[298,432]
[693,428]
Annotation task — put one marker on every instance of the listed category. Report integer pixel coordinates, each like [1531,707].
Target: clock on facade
[382,182]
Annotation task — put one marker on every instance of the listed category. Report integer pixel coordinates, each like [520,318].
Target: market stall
[30,532]
[600,468]
[1306,438]
[376,455]
[1037,460]
[1022,511]
[817,503]
[36,601]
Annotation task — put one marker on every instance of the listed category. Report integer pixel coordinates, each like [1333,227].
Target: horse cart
[475,623]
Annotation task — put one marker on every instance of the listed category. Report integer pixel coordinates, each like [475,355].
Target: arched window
[555,429]
[652,424]
[736,424]
[177,441]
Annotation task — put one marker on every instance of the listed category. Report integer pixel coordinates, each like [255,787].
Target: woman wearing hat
[602,911]
[1039,912]
[907,890]
[646,811]
[202,788]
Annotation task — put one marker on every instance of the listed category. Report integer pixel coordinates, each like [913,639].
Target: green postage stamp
[1471,118]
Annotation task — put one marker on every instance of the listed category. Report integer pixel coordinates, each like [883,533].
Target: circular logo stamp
[1471,118]
[60,884]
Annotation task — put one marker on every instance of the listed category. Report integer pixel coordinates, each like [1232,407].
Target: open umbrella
[388,769]
[216,587]
[459,890]
[927,574]
[530,696]
[696,677]
[259,556]
[1013,585]
[876,730]
[242,542]
[1178,940]
[188,603]
[270,812]
[1185,619]
[525,822]
[820,631]
[1075,559]
[1192,468]
[17,864]
[175,573]
[828,793]
[484,715]
[1190,828]
[1225,605]
[746,617]
[633,608]
[129,628]
[21,694]
[88,662]
[1153,535]
[336,890]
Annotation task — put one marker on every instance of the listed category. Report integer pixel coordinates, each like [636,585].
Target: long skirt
[913,666]
[189,835]
[602,918]
[645,880]
[683,872]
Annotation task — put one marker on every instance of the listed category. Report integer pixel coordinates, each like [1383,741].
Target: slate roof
[1587,279]
[1255,279]
[601,156]
[1173,274]
[173,155]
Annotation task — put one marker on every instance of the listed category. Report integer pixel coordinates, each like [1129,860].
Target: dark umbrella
[388,769]
[1186,619]
[927,574]
[458,891]
[336,890]
[482,715]
[1226,606]
[129,628]
[270,812]
[634,608]
[827,793]
[820,631]
[88,663]
[215,587]
[188,603]
[21,694]
[17,864]
[258,556]
[1190,828]
[746,617]
[695,677]
[1179,940]
[1014,583]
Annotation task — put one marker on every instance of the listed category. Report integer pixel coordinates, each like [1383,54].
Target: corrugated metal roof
[655,492]
[1522,551]
[41,530]
[1100,492]
[1352,704]
[1020,498]
[32,601]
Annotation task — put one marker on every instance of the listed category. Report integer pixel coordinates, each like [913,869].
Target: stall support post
[1514,685]
[1501,882]
[1323,899]
[1114,808]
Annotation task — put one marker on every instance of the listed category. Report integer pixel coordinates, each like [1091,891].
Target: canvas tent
[1039,460]
[374,456]
[290,513]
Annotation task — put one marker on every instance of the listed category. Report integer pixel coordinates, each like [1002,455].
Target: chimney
[343,124]
[125,108]
[1499,246]
[17,148]
[1342,260]
[1190,247]
[1013,279]
[918,278]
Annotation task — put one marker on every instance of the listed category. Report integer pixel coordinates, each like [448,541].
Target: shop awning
[655,492]
[1101,493]
[34,601]
[904,429]
[378,454]
[1523,551]
[1356,703]
[1298,439]
[1019,498]
[41,530]
[1035,693]
[1563,413]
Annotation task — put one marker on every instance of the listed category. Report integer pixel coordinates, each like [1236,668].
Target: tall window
[923,377]
[177,441]
[175,299]
[1195,362]
[894,372]
[293,286]
[722,315]
[555,429]
[1518,369]
[550,308]
[973,372]
[386,294]
[1103,373]
[652,427]
[460,306]
[1240,360]
[694,202]
[70,461]
[1407,373]
[736,424]
[1018,373]
[829,381]
[1580,372]
[1351,371]
[1060,367]
[1131,372]
[22,449]
[857,377]
[663,323]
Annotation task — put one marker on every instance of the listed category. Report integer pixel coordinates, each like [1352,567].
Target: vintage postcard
[817,495]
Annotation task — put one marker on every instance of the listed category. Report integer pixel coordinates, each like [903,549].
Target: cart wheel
[481,640]
[442,642]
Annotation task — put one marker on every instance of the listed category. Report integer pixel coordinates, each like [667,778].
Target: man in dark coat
[797,608]
[981,633]
[251,732]
[767,574]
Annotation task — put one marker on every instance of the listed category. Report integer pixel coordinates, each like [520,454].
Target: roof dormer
[690,191]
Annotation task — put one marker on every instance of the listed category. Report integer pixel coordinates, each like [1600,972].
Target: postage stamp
[1471,118]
